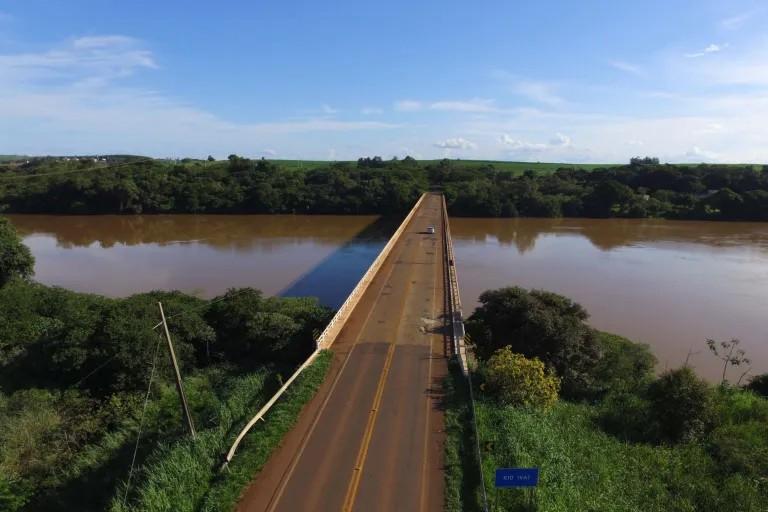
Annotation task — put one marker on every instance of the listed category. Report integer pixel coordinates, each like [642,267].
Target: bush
[623,365]
[628,416]
[515,380]
[538,324]
[15,258]
[682,405]
[759,384]
[742,448]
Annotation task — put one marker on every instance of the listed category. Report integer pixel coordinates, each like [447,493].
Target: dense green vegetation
[620,438]
[74,374]
[644,188]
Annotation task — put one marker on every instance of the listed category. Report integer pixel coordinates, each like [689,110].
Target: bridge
[372,437]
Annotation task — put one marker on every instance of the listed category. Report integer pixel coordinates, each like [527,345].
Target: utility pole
[179,386]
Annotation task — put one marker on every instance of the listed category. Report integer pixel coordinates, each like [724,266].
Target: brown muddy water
[666,283]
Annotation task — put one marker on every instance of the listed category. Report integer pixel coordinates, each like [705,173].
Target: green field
[517,167]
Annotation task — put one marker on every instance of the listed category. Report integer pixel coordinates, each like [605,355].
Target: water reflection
[239,232]
[291,255]
[608,234]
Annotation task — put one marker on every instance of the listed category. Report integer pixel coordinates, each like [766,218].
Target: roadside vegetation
[619,438]
[74,374]
[643,188]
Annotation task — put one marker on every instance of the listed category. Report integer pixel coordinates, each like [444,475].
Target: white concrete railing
[328,336]
[457,320]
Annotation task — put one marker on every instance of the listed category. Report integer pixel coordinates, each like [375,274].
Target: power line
[75,171]
[141,421]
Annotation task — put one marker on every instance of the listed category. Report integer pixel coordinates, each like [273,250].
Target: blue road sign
[517,477]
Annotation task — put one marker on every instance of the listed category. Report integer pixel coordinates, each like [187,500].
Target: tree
[538,324]
[682,406]
[211,159]
[609,198]
[256,329]
[15,258]
[515,380]
[759,384]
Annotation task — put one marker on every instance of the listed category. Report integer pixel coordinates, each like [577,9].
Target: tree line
[642,189]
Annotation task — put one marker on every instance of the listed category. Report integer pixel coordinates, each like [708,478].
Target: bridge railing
[457,339]
[332,330]
[328,336]
[454,298]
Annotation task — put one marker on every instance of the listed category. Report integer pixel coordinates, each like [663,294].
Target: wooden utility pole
[179,386]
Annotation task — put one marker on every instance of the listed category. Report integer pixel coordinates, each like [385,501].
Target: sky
[558,81]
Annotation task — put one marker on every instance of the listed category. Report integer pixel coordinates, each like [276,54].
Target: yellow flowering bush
[516,380]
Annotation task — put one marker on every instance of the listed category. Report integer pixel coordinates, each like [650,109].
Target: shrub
[742,448]
[515,380]
[759,384]
[538,324]
[628,416]
[15,258]
[623,366]
[682,405]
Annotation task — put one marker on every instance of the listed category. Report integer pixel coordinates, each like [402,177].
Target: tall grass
[462,477]
[183,476]
[256,448]
[583,468]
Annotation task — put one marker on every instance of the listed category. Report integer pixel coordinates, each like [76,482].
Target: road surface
[372,438]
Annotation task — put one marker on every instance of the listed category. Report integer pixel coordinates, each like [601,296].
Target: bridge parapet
[332,330]
[454,298]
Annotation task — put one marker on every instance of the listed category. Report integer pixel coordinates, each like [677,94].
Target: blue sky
[537,81]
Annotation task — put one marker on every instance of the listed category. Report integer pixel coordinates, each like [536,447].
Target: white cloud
[711,48]
[517,146]
[541,92]
[520,145]
[408,105]
[626,67]
[455,143]
[735,22]
[369,111]
[102,57]
[477,105]
[560,140]
[473,105]
[327,109]
[700,155]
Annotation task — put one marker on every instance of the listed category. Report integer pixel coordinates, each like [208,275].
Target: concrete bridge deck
[371,439]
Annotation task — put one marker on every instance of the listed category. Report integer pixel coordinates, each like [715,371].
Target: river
[666,283]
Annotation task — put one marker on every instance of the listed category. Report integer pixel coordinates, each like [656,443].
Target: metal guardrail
[457,338]
[457,320]
[328,336]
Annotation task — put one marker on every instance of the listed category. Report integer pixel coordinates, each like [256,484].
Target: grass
[462,482]
[583,468]
[261,442]
[184,476]
[520,167]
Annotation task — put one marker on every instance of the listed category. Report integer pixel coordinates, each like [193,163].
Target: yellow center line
[424,480]
[354,484]
[305,440]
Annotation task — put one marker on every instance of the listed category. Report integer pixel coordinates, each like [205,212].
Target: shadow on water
[334,277]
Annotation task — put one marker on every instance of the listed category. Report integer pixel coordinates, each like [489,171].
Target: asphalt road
[372,438]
